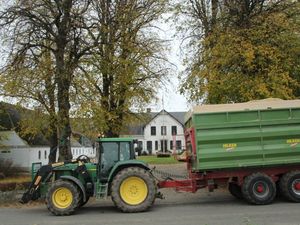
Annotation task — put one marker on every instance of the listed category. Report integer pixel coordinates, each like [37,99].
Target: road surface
[177,209]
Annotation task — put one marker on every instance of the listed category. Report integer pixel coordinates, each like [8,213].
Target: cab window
[124,151]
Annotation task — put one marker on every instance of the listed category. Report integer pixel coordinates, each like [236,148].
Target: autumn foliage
[249,54]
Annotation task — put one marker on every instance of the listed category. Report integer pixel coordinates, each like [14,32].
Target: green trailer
[253,134]
[252,147]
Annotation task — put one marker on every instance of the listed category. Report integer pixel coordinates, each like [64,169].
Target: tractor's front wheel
[133,190]
[62,198]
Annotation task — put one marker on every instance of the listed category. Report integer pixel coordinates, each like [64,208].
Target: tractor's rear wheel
[62,198]
[133,190]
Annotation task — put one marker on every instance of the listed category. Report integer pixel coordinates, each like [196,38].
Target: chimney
[148,110]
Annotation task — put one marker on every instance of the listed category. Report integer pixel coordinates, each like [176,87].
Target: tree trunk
[63,85]
[53,146]
[64,127]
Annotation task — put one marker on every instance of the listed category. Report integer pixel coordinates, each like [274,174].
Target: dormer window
[153,131]
[163,130]
[174,130]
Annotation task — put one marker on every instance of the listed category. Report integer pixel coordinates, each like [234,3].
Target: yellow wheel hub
[62,198]
[133,190]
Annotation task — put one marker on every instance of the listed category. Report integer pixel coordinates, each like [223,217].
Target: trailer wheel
[62,198]
[290,186]
[259,189]
[133,190]
[235,190]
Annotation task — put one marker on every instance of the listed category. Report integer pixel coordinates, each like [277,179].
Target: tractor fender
[125,164]
[79,184]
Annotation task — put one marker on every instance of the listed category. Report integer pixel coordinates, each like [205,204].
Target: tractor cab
[113,150]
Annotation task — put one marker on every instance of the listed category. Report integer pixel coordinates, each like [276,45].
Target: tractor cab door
[110,154]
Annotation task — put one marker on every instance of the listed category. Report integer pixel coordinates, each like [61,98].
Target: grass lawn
[151,159]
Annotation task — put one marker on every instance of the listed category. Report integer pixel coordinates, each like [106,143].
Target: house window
[153,131]
[149,147]
[163,130]
[45,154]
[156,145]
[174,130]
[171,145]
[5,151]
[178,145]
[39,155]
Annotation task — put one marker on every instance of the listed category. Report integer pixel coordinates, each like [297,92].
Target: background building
[159,132]
[22,154]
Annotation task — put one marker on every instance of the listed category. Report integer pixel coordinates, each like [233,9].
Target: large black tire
[290,186]
[259,189]
[81,202]
[62,198]
[133,190]
[235,190]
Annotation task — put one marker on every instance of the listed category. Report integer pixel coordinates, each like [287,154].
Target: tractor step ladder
[102,190]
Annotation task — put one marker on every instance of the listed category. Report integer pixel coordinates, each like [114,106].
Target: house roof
[10,117]
[178,116]
[138,127]
[11,138]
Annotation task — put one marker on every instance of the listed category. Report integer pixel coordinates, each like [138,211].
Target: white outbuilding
[13,148]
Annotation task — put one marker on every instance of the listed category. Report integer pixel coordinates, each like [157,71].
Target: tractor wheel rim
[133,190]
[62,198]
[296,186]
[261,189]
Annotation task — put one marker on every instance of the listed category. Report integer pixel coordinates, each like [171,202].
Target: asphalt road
[177,209]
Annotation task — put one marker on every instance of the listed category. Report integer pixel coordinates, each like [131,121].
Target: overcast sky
[169,97]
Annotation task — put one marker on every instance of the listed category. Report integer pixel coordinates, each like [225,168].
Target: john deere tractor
[66,186]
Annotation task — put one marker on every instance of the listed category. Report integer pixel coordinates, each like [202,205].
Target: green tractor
[66,186]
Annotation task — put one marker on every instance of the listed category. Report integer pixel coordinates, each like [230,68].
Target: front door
[163,145]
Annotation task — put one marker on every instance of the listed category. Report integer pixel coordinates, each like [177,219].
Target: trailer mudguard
[124,164]
[78,182]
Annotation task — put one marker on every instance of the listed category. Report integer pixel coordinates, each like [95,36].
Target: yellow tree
[250,54]
[127,67]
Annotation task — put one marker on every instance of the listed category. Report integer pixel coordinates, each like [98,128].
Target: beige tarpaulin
[269,103]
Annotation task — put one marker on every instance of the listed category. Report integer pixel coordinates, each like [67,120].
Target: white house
[17,150]
[164,131]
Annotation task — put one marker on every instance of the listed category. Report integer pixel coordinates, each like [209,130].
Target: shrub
[8,169]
